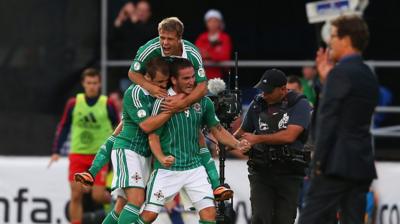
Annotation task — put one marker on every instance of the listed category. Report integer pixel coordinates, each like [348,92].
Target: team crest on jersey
[283,122]
[263,126]
[187,113]
[136,66]
[136,177]
[159,195]
[201,72]
[197,107]
[141,113]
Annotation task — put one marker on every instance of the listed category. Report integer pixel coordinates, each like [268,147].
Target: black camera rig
[228,107]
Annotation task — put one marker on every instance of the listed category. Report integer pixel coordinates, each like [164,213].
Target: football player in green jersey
[169,43]
[131,137]
[179,138]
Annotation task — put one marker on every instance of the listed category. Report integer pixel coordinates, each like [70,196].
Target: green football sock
[103,156]
[111,218]
[129,214]
[141,221]
[211,169]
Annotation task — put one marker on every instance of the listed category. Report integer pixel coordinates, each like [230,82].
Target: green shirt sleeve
[157,110]
[200,73]
[195,57]
[138,110]
[209,117]
[145,53]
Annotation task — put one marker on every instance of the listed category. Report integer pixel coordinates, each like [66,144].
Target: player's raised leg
[102,157]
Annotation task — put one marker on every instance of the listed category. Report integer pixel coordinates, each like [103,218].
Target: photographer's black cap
[271,79]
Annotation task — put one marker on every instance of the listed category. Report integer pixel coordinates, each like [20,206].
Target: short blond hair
[171,24]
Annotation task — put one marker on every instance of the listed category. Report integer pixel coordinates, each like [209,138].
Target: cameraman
[276,126]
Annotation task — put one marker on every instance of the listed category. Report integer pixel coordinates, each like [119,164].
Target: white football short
[165,184]
[130,169]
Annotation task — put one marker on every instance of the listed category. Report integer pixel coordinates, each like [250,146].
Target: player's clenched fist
[167,161]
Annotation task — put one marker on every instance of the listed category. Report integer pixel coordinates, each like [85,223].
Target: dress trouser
[327,195]
[274,197]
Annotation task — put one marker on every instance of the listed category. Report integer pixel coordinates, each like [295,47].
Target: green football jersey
[153,49]
[308,91]
[137,106]
[179,137]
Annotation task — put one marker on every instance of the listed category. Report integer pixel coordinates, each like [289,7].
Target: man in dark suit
[343,161]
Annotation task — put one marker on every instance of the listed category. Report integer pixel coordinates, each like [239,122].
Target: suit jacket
[343,138]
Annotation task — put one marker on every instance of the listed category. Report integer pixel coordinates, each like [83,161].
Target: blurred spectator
[309,83]
[371,207]
[132,28]
[385,99]
[311,89]
[143,11]
[127,13]
[173,208]
[89,117]
[116,98]
[215,45]
[294,84]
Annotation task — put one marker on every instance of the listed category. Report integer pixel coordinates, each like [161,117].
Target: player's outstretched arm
[224,137]
[238,133]
[154,90]
[155,147]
